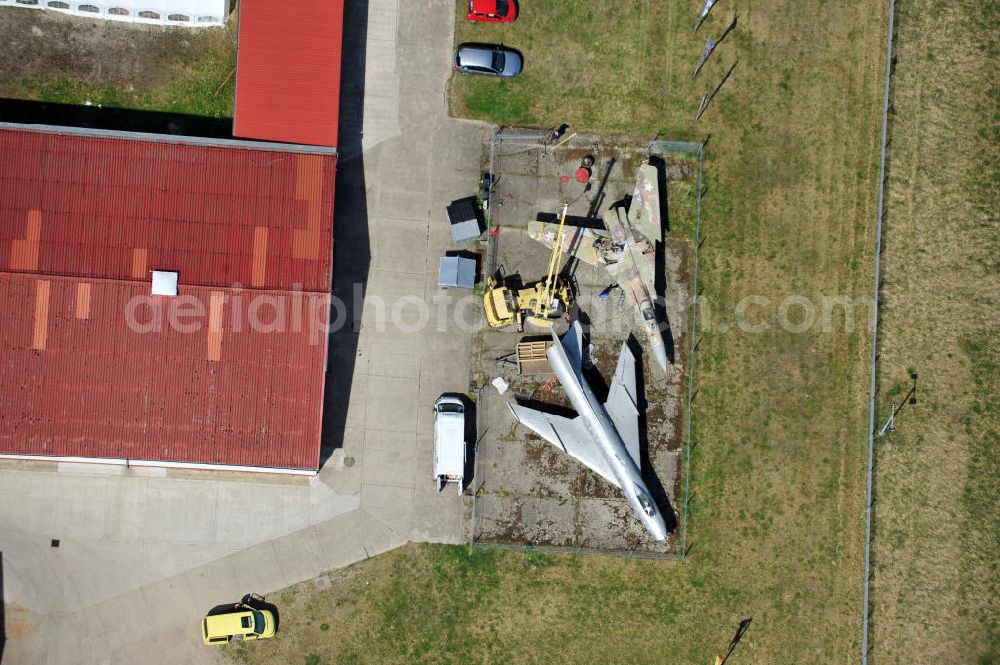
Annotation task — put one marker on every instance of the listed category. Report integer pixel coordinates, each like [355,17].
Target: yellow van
[242,622]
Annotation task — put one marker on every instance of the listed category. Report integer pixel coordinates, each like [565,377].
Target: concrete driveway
[143,553]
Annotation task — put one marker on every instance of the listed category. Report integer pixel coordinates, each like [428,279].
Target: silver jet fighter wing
[568,435]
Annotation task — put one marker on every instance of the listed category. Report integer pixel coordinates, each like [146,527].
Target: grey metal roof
[456,272]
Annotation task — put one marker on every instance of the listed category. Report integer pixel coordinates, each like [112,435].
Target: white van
[449,441]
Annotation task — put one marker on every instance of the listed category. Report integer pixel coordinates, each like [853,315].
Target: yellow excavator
[539,304]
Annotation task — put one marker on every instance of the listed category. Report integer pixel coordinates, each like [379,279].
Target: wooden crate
[531,358]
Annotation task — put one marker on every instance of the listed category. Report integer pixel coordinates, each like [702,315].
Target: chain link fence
[881,210]
[697,150]
[533,139]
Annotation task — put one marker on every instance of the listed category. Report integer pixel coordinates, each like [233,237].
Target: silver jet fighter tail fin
[572,344]
[623,403]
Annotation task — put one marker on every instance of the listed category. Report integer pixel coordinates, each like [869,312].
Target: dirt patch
[45,44]
[55,57]
[680,169]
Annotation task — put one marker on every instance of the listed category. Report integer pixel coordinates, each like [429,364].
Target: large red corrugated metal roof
[203,210]
[288,71]
[94,366]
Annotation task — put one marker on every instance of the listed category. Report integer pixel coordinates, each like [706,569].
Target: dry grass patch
[937,542]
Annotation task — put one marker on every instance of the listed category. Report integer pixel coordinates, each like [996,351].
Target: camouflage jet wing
[577,241]
[644,211]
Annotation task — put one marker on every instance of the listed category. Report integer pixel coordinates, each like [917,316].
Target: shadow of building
[114,119]
[352,246]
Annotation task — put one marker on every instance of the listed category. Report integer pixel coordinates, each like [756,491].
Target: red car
[493,11]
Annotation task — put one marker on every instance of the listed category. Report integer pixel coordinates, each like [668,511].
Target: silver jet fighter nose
[657,529]
[660,353]
[649,512]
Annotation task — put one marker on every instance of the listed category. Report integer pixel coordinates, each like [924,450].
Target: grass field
[618,66]
[937,581]
[64,59]
[777,522]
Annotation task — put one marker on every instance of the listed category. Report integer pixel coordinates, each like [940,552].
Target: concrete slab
[181,511]
[354,439]
[238,523]
[214,583]
[258,567]
[87,568]
[355,536]
[300,555]
[403,204]
[382,20]
[440,517]
[357,404]
[392,468]
[401,245]
[324,503]
[163,560]
[394,409]
[87,508]
[396,337]
[36,489]
[390,442]
[391,505]
[396,365]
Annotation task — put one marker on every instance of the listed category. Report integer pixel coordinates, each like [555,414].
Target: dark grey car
[488,59]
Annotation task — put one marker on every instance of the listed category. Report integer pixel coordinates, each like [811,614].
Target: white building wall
[183,13]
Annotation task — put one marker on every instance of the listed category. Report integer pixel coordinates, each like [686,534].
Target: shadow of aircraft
[653,484]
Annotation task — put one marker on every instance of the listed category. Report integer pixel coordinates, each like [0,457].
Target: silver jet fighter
[626,249]
[604,437]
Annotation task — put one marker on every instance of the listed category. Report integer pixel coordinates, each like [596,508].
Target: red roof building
[229,372]
[288,71]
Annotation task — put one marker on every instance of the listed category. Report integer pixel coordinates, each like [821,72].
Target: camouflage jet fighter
[626,249]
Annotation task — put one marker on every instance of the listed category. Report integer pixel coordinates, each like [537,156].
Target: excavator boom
[534,304]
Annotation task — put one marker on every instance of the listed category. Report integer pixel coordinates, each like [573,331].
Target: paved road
[144,553]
